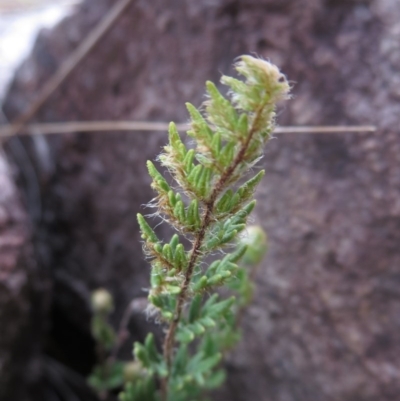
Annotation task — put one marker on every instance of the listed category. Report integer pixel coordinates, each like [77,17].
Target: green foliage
[102,331]
[110,374]
[208,206]
[257,245]
[107,376]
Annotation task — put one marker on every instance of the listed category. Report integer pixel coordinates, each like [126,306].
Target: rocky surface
[17,344]
[19,24]
[325,321]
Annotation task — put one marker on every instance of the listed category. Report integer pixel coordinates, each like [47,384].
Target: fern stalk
[195,252]
[209,208]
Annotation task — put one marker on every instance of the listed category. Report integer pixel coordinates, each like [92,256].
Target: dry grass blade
[69,64]
[102,126]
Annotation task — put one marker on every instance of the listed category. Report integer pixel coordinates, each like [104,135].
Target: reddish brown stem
[206,221]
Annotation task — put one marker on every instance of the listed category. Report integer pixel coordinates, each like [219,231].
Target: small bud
[257,245]
[132,371]
[102,301]
[251,66]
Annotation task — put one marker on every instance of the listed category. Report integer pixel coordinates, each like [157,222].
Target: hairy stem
[206,221]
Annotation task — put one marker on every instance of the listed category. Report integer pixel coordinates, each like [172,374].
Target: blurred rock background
[324,324]
[21,20]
